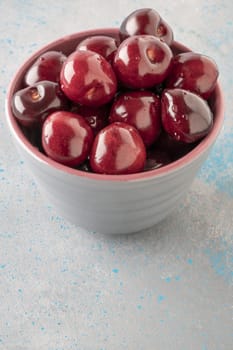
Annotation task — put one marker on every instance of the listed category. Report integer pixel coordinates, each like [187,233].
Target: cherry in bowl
[140,109]
[195,72]
[104,45]
[146,21]
[67,138]
[46,67]
[186,116]
[118,149]
[142,61]
[88,78]
[32,104]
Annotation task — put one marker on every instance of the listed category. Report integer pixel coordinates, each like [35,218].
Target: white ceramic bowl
[110,203]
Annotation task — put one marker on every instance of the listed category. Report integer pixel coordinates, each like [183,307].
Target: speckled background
[170,287]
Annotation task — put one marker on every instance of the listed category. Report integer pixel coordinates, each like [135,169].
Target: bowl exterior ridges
[113,207]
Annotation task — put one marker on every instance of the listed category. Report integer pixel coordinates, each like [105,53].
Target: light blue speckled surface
[170,287]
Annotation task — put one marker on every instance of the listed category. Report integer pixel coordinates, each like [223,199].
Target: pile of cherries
[118,105]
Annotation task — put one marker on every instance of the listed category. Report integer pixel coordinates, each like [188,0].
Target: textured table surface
[170,287]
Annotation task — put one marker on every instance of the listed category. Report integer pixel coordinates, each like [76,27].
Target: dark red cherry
[33,103]
[194,72]
[140,109]
[67,138]
[146,21]
[97,117]
[118,149]
[142,61]
[88,78]
[186,116]
[46,67]
[104,45]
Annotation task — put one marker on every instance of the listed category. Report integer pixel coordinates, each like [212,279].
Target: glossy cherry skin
[142,61]
[97,117]
[88,78]
[146,21]
[186,116]
[118,149]
[46,67]
[67,138]
[32,104]
[194,72]
[104,45]
[140,109]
